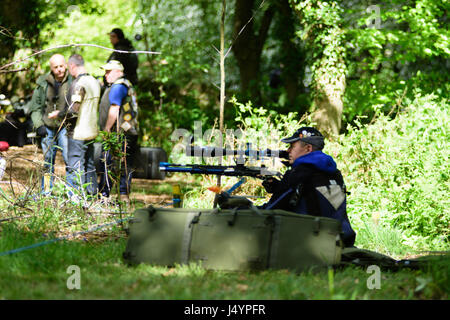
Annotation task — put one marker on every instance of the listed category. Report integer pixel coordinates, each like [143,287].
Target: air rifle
[238,170]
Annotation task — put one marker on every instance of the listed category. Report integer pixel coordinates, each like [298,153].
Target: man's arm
[77,97]
[37,107]
[113,115]
[116,95]
[73,107]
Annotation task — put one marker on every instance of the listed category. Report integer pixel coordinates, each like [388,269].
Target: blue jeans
[81,167]
[54,141]
[105,184]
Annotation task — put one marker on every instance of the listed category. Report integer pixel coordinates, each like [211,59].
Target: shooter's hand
[225,201]
[270,184]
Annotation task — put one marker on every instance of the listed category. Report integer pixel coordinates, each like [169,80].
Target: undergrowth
[396,170]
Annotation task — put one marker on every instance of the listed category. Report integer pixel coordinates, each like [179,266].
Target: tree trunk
[293,58]
[248,46]
[328,81]
[328,103]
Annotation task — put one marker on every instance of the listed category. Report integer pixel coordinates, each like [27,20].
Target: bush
[397,171]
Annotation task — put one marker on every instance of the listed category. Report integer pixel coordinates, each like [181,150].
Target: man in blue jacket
[314,185]
[118,112]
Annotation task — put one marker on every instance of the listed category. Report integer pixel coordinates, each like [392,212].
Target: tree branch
[241,12]
[73,45]
[15,70]
[264,28]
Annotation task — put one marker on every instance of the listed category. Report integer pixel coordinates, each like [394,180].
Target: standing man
[49,98]
[314,185]
[129,61]
[118,112]
[82,114]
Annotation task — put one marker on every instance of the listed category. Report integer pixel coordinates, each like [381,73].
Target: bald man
[49,98]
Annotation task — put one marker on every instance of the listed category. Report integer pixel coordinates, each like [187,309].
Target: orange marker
[215,189]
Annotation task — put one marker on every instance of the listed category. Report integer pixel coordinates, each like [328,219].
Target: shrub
[398,170]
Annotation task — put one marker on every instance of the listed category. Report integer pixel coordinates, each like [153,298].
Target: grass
[397,208]
[383,239]
[41,273]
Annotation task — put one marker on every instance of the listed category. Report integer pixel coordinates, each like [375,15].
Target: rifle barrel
[231,171]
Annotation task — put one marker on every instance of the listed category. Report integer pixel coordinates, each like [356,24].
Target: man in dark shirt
[48,99]
[314,185]
[129,61]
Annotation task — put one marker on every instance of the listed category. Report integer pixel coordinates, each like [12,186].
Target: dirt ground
[24,171]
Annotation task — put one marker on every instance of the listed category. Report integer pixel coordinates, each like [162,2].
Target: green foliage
[408,51]
[285,53]
[386,50]
[372,235]
[405,50]
[159,119]
[19,23]
[262,127]
[81,25]
[183,32]
[397,171]
[322,31]
[112,142]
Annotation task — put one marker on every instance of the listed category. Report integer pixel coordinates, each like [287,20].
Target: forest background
[374,76]
[342,66]
[335,60]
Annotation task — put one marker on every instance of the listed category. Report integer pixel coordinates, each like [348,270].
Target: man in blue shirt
[118,113]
